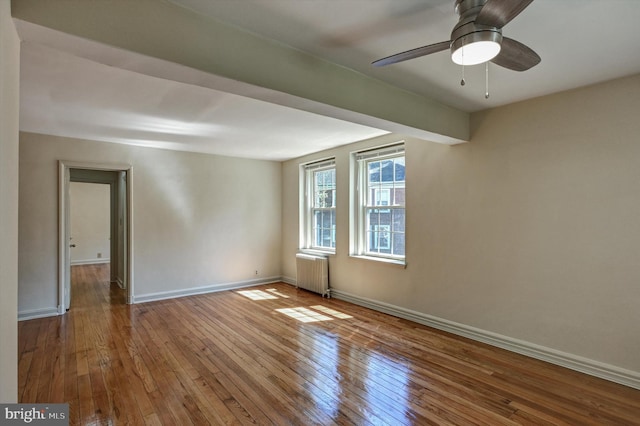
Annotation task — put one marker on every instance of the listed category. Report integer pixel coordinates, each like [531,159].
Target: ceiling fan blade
[497,13]
[516,56]
[413,53]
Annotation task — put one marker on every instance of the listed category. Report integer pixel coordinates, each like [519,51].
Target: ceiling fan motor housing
[467,31]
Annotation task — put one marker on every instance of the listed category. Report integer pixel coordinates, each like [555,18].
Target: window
[319,221]
[379,228]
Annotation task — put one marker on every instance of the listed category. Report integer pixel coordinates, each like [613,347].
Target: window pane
[326,238]
[324,188]
[386,183]
[399,169]
[379,237]
[398,244]
[327,219]
[387,170]
[398,220]
[374,172]
[317,220]
[373,217]
[325,198]
[380,197]
[398,195]
[385,231]
[324,228]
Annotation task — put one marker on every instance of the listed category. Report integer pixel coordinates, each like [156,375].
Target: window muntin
[320,220]
[381,203]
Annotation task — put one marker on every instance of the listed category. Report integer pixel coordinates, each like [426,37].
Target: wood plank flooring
[277,355]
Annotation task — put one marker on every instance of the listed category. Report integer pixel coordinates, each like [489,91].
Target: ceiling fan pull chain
[462,82]
[486,81]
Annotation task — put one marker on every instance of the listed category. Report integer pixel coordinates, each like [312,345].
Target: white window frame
[308,208]
[359,237]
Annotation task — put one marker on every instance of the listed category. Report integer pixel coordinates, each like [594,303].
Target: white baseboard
[89,261]
[573,362]
[37,313]
[288,280]
[172,294]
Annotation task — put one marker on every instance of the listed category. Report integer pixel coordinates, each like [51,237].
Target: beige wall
[198,220]
[530,231]
[90,222]
[9,95]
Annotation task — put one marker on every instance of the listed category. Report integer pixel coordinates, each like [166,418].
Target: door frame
[64,258]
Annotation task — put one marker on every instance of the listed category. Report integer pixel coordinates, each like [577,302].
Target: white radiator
[313,273]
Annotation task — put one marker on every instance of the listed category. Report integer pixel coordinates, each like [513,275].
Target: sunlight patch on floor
[277,293]
[331,312]
[257,294]
[304,314]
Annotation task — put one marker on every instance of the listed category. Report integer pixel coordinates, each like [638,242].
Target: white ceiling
[64,93]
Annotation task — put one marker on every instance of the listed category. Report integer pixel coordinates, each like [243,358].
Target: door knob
[72,245]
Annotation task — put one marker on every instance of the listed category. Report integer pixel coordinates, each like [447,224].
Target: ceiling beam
[258,67]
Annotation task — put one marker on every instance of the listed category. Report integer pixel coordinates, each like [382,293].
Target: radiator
[313,273]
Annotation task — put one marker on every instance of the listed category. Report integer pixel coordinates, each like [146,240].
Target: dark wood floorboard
[277,355]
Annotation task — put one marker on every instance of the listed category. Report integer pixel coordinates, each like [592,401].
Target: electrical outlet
[256,272]
[99,255]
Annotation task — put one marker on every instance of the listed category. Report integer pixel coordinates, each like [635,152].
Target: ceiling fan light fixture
[476,48]
[477,37]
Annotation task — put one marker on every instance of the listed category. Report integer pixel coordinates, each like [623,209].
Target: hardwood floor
[277,355]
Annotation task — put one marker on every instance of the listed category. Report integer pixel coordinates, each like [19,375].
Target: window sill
[396,262]
[317,252]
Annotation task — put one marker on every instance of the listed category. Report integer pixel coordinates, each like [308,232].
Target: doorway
[118,248]
[91,213]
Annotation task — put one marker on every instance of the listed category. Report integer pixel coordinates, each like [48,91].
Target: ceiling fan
[477,37]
